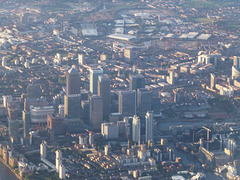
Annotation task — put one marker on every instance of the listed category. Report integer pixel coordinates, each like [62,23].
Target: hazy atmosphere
[119,89]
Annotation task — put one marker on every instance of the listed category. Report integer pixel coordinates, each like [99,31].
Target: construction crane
[208,135]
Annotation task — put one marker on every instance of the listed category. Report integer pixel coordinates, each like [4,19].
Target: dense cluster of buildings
[119,90]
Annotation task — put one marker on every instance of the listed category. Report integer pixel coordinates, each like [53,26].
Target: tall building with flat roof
[136,81]
[43,149]
[149,126]
[127,103]
[73,81]
[129,54]
[72,105]
[136,129]
[236,68]
[212,81]
[80,59]
[94,74]
[109,130]
[236,62]
[171,78]
[144,101]
[62,172]
[104,92]
[13,126]
[26,123]
[96,112]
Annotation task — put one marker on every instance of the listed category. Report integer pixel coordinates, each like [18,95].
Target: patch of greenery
[228,25]
[209,4]
[202,20]
[198,4]
[43,175]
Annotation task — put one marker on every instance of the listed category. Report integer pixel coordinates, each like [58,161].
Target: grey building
[136,81]
[144,101]
[94,74]
[85,106]
[73,81]
[136,129]
[104,92]
[127,103]
[72,105]
[96,112]
[13,126]
[149,126]
[26,123]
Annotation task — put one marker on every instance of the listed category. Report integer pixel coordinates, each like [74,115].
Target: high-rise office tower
[127,103]
[176,96]
[156,104]
[94,74]
[212,81]
[236,68]
[58,159]
[236,62]
[73,81]
[7,99]
[144,101]
[80,59]
[149,126]
[43,149]
[62,172]
[58,162]
[104,92]
[23,19]
[26,123]
[13,126]
[129,54]
[96,112]
[136,81]
[72,105]
[136,129]
[85,111]
[171,78]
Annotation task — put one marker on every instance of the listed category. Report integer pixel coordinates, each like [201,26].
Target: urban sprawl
[117,89]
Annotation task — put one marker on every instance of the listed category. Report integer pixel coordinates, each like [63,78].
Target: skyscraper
[13,127]
[136,129]
[136,81]
[96,112]
[129,54]
[26,123]
[72,105]
[149,126]
[144,101]
[236,68]
[80,59]
[236,62]
[85,111]
[127,103]
[94,73]
[171,78]
[212,81]
[73,81]
[104,92]
[43,150]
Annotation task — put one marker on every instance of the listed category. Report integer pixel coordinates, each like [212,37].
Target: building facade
[94,74]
